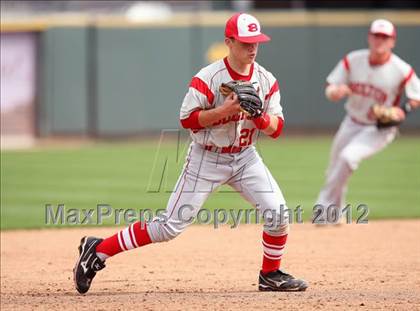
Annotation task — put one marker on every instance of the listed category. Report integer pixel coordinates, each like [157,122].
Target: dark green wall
[117,81]
[142,76]
[63,106]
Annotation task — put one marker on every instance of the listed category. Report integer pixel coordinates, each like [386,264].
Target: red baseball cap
[245,28]
[384,27]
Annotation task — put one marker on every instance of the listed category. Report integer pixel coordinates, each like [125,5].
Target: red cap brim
[382,33]
[254,39]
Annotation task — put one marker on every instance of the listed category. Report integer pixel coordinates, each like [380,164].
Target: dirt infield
[364,267]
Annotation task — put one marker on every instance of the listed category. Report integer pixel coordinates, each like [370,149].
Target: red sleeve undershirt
[279,128]
[192,121]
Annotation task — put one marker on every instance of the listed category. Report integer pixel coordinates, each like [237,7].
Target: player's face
[242,52]
[380,44]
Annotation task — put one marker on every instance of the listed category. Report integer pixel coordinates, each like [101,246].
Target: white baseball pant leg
[255,184]
[352,144]
[203,172]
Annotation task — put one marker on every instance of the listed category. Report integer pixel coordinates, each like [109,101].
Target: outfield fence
[104,75]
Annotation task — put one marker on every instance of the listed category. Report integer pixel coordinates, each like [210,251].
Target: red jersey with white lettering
[372,83]
[203,94]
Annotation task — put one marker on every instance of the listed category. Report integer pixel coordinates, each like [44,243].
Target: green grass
[128,175]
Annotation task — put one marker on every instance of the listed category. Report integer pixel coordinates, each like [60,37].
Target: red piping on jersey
[346,63]
[192,121]
[401,87]
[273,89]
[203,88]
[236,76]
[407,78]
[279,128]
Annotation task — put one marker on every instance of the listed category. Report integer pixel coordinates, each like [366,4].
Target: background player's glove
[248,98]
[389,116]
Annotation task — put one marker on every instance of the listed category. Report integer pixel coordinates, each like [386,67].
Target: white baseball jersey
[358,138]
[203,94]
[372,84]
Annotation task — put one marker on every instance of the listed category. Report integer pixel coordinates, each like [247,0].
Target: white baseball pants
[353,143]
[203,172]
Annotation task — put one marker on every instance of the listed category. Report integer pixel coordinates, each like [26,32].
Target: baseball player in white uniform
[222,152]
[369,77]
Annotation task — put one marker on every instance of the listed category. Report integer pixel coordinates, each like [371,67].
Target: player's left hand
[387,116]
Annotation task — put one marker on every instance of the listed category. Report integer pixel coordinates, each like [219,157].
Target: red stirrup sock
[273,251]
[131,237]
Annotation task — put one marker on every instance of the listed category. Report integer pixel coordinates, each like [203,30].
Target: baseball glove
[389,116]
[248,98]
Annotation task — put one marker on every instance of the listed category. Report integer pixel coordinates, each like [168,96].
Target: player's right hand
[335,92]
[231,105]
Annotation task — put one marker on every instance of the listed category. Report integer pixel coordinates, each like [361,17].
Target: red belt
[359,122]
[228,149]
